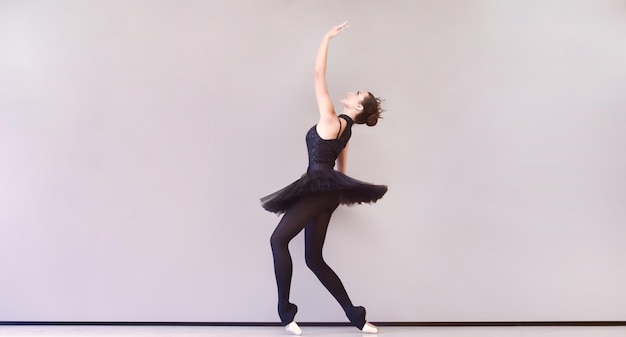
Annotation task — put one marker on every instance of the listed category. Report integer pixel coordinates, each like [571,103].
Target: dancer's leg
[292,222]
[315,235]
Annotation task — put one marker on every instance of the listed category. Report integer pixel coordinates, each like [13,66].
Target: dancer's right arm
[324,103]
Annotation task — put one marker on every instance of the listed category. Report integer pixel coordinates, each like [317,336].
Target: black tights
[312,214]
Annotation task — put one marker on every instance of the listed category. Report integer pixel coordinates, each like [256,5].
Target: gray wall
[137,136]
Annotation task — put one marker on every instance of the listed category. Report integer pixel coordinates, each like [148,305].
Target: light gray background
[137,136]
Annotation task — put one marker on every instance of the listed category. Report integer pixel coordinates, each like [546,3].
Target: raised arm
[324,103]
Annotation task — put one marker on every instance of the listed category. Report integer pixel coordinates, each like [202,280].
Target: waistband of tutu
[320,166]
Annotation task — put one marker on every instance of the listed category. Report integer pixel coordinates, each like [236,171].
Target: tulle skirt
[320,179]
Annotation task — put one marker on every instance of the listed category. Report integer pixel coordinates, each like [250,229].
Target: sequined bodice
[326,151]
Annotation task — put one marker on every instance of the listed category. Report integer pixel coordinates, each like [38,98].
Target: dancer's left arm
[342,160]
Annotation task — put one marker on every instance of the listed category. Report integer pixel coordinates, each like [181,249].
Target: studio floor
[209,331]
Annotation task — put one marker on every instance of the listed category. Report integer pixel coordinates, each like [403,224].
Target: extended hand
[337,29]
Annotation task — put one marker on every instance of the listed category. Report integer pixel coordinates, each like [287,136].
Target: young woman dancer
[309,202]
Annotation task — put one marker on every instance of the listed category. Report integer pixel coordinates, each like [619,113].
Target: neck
[350,112]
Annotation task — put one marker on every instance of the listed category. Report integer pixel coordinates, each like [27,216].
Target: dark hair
[371,110]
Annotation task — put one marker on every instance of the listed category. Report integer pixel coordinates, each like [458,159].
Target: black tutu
[319,180]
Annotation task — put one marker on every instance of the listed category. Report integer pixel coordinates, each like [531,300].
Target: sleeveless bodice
[320,177]
[326,151]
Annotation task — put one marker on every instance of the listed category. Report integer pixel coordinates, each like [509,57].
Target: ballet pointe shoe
[293,328]
[287,313]
[369,328]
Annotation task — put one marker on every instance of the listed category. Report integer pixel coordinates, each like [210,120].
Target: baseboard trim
[415,324]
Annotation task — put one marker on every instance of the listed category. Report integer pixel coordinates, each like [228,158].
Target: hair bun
[372,119]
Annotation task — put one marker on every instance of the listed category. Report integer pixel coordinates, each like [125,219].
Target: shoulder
[330,119]
[328,127]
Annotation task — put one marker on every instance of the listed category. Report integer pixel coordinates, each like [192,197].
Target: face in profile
[353,100]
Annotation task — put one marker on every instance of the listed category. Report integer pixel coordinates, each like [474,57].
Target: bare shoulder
[330,126]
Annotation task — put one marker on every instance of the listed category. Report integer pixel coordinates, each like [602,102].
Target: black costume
[308,203]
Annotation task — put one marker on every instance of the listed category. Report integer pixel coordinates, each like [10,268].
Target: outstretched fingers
[337,29]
